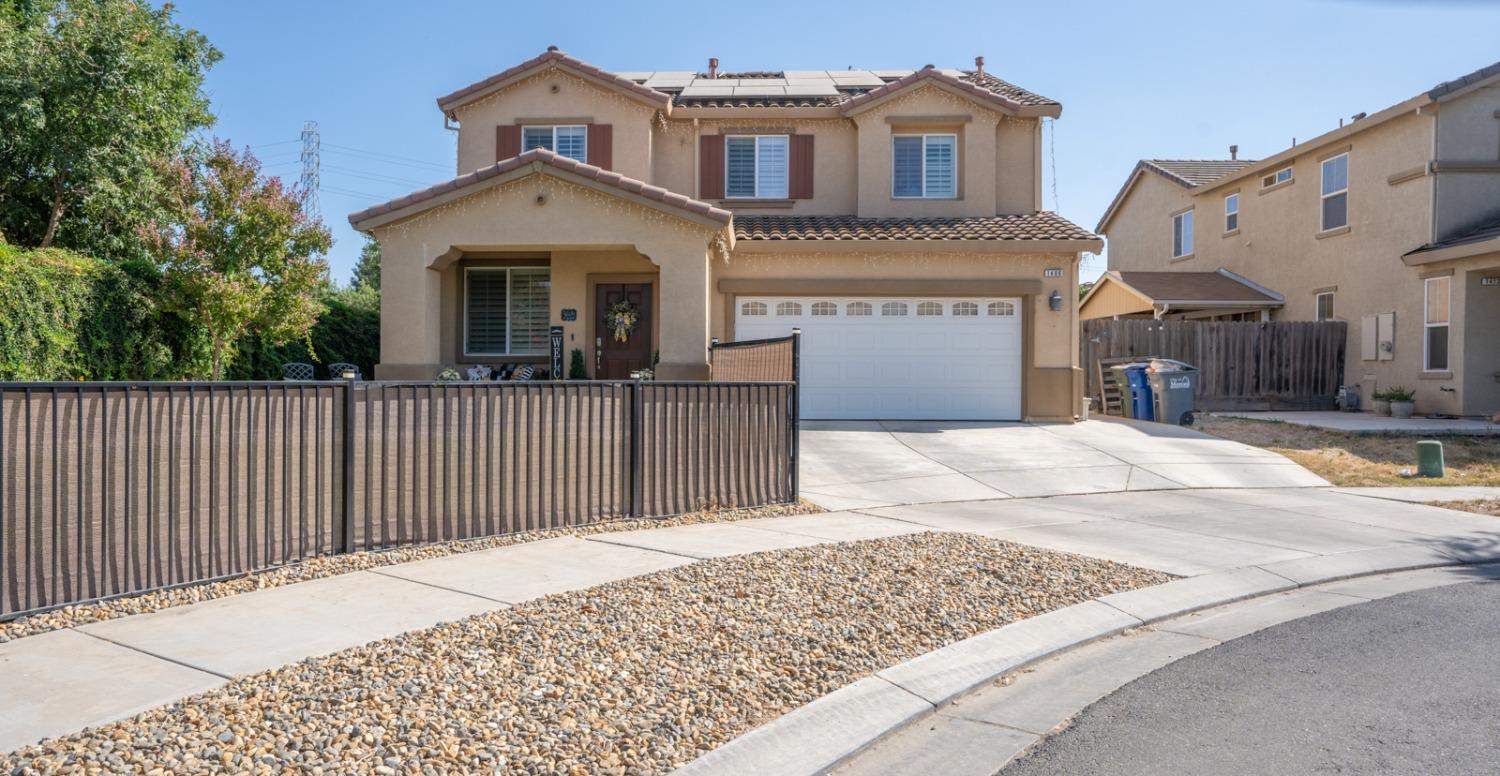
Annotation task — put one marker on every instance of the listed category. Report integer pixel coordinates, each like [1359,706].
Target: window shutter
[601,146]
[507,141]
[711,167]
[801,167]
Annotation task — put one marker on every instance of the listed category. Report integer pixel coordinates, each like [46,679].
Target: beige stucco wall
[1278,244]
[574,98]
[1111,299]
[581,229]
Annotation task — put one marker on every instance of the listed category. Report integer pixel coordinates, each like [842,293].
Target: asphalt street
[1404,685]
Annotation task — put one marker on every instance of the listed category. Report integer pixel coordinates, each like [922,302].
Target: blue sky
[1135,79]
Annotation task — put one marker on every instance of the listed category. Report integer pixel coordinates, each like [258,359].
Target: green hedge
[349,332]
[69,317]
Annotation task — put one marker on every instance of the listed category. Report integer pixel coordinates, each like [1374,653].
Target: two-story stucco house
[1390,222]
[894,216]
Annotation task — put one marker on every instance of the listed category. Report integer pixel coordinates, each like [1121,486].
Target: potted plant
[1401,401]
[1380,403]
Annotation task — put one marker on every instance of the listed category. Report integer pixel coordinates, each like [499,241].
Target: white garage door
[898,357]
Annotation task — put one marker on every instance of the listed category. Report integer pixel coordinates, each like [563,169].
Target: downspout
[697,176]
[1162,309]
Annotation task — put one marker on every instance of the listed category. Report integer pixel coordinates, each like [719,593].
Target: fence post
[637,446]
[796,454]
[346,542]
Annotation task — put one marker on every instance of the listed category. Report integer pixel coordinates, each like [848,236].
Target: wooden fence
[1273,365]
[115,488]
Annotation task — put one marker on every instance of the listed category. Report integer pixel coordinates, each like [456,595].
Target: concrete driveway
[861,464]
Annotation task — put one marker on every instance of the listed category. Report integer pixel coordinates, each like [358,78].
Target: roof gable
[997,100]
[552,57]
[1187,173]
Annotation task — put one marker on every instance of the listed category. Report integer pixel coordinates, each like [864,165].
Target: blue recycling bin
[1140,392]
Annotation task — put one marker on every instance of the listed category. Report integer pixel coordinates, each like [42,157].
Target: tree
[367,269]
[240,254]
[94,96]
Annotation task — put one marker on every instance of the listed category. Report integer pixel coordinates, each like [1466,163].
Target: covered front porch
[484,270]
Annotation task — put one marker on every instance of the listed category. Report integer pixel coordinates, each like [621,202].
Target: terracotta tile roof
[552,54]
[549,158]
[1447,87]
[1031,226]
[1006,89]
[1193,287]
[820,101]
[1196,172]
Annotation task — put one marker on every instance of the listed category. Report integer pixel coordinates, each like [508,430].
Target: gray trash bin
[1173,384]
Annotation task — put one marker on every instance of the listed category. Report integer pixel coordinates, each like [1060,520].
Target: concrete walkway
[1370,423]
[860,464]
[63,681]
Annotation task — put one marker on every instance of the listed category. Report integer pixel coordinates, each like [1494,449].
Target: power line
[348,193]
[364,158]
[377,177]
[381,155]
[279,143]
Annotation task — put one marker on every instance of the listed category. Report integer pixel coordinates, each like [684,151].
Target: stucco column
[684,313]
[410,313]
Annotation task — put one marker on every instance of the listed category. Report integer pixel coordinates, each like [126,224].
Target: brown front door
[615,359]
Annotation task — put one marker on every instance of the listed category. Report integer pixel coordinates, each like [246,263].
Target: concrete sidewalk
[60,682]
[863,464]
[1369,423]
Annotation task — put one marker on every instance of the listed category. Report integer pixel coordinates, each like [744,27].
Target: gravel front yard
[1363,460]
[327,566]
[633,677]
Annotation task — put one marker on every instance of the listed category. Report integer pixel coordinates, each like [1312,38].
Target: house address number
[1491,281]
[1052,272]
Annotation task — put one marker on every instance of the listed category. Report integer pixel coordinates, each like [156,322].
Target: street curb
[828,732]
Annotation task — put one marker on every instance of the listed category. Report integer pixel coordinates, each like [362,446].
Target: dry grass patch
[1363,460]
[637,676]
[1481,507]
[330,565]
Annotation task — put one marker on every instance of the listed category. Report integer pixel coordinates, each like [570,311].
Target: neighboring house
[1390,222]
[1219,296]
[894,216]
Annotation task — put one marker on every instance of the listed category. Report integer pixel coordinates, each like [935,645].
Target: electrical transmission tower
[310,183]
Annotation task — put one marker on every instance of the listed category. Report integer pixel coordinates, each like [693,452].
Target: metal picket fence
[108,489]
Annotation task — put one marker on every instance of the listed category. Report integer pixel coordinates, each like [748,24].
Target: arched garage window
[893,308]
[930,308]
[964,309]
[859,309]
[753,308]
[789,308]
[1002,308]
[825,308]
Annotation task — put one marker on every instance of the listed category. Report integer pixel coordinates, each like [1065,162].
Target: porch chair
[297,370]
[337,369]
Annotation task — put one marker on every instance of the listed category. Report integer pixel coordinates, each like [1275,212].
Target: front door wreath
[621,319]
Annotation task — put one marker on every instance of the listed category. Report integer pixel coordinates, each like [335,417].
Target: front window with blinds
[1435,323]
[755,166]
[506,311]
[570,141]
[924,166]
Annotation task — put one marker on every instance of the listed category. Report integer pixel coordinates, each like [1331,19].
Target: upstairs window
[755,166]
[505,311]
[570,141]
[1231,212]
[1336,192]
[1276,178]
[1182,234]
[924,166]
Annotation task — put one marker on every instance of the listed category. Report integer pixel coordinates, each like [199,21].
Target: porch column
[411,320]
[684,313]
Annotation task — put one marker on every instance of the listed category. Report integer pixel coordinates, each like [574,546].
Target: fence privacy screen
[114,488]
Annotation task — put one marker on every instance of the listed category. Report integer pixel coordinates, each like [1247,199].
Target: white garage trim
[898,357]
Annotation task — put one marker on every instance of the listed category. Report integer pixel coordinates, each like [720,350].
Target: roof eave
[751,245]
[930,76]
[1423,256]
[486,87]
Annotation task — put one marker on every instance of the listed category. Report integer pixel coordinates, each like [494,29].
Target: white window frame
[1275,179]
[554,127]
[1446,324]
[509,289]
[1233,212]
[759,194]
[1178,233]
[1323,197]
[1318,306]
[925,136]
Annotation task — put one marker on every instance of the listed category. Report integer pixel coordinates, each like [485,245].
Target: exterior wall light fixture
[1055,301]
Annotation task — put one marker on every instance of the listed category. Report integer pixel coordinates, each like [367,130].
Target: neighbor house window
[1231,212]
[506,311]
[1336,192]
[1280,176]
[1436,324]
[825,308]
[1325,306]
[755,166]
[859,309]
[1182,234]
[569,141]
[924,166]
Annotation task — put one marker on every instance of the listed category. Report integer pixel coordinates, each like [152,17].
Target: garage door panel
[901,366]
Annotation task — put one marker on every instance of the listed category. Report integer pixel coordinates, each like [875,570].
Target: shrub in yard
[348,332]
[576,368]
[71,317]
